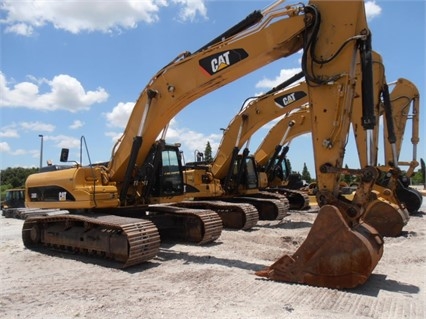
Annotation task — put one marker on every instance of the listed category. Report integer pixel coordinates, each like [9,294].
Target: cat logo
[220,61]
[289,98]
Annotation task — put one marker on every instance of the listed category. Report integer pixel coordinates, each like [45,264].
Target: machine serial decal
[287,99]
[62,196]
[219,61]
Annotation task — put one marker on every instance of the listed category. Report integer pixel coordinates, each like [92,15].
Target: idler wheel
[35,234]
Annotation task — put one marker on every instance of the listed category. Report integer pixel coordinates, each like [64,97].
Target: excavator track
[298,200]
[268,208]
[200,226]
[275,205]
[124,240]
[236,216]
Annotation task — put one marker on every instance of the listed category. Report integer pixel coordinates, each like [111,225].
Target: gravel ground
[212,281]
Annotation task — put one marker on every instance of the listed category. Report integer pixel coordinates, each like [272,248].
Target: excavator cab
[245,173]
[277,166]
[278,172]
[161,175]
[169,181]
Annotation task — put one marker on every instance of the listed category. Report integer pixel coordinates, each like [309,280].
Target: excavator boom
[271,34]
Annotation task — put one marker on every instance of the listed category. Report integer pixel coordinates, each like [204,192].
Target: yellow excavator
[405,100]
[237,175]
[394,194]
[387,210]
[120,208]
[340,251]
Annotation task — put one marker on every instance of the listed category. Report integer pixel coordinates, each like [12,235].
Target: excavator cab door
[245,173]
[251,174]
[170,181]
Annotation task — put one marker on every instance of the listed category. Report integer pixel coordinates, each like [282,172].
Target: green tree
[15,177]
[305,174]
[208,153]
[290,170]
[417,178]
[347,178]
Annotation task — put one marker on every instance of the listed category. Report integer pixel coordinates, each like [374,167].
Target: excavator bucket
[387,218]
[333,255]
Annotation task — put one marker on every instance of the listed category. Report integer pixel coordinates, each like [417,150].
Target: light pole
[41,150]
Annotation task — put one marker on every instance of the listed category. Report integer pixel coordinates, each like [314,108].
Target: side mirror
[64,155]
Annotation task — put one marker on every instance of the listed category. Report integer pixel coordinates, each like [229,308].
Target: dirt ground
[213,281]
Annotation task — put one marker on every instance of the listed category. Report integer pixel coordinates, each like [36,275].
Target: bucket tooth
[333,255]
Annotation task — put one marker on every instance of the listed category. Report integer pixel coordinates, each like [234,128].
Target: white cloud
[372,10]
[20,29]
[119,116]
[37,126]
[63,141]
[191,140]
[4,147]
[12,130]
[21,17]
[9,132]
[20,151]
[115,136]
[285,74]
[190,9]
[76,124]
[66,93]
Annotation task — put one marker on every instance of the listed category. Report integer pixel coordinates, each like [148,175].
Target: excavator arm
[404,96]
[396,109]
[340,250]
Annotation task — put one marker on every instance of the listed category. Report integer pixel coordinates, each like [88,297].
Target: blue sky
[75,68]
